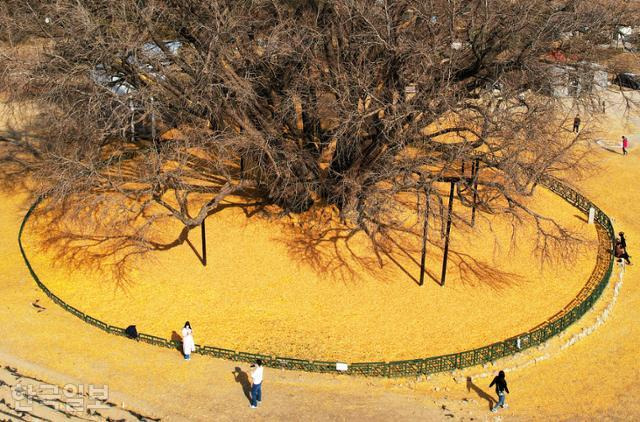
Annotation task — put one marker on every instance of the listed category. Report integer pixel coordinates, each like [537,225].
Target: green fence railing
[536,336]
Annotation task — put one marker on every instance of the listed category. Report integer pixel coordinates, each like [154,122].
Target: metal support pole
[425,229]
[446,239]
[133,127]
[474,172]
[204,244]
[462,169]
[153,122]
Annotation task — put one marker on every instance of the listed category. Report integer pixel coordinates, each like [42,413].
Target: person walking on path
[188,344]
[576,124]
[256,383]
[625,145]
[501,390]
[622,240]
[621,248]
[621,254]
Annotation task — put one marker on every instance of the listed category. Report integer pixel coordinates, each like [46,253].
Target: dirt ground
[596,378]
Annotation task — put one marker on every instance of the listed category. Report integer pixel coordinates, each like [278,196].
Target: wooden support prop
[241,168]
[133,126]
[153,123]
[446,239]
[425,229]
[474,172]
[204,244]
[462,169]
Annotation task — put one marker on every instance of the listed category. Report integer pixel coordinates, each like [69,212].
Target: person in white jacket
[188,344]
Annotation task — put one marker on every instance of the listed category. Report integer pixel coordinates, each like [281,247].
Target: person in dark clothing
[622,240]
[621,253]
[576,124]
[623,245]
[132,332]
[501,390]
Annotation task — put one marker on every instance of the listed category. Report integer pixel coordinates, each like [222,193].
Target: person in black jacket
[576,124]
[622,240]
[501,390]
[621,248]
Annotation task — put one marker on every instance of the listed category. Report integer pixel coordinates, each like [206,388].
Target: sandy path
[597,378]
[51,396]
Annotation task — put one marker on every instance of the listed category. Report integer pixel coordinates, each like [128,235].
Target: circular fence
[557,323]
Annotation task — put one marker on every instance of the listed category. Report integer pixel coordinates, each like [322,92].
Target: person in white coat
[188,344]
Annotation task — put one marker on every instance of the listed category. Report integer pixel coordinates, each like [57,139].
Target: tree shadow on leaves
[318,239]
[112,238]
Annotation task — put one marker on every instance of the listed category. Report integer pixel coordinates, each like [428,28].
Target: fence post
[446,239]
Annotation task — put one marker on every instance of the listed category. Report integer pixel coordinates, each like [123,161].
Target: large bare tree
[351,104]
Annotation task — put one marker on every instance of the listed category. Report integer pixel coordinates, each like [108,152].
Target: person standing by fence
[501,389]
[188,344]
[256,383]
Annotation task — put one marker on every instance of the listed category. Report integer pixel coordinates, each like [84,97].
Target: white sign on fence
[342,366]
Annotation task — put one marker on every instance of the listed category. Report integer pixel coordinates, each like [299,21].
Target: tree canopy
[349,104]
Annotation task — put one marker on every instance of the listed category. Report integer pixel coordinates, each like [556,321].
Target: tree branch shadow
[109,240]
[344,253]
[18,157]
[195,252]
